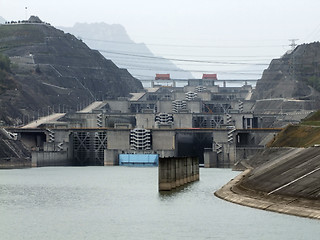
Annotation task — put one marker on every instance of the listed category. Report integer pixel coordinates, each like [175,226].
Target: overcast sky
[227,30]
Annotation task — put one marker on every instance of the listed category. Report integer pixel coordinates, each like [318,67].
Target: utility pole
[26,10]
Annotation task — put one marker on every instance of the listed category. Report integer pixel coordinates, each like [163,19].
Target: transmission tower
[293,43]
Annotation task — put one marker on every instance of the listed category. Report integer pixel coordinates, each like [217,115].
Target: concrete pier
[177,171]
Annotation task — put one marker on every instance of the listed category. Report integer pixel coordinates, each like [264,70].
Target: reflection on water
[164,195]
[124,203]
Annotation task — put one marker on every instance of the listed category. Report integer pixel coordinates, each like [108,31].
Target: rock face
[115,44]
[54,71]
[295,75]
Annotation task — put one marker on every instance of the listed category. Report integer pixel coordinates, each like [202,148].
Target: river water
[124,203]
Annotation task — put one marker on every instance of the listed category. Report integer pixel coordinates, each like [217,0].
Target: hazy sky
[224,31]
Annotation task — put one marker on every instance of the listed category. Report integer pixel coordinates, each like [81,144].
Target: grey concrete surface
[236,193]
[296,173]
[287,183]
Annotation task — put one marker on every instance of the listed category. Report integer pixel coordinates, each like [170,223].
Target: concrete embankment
[13,153]
[288,184]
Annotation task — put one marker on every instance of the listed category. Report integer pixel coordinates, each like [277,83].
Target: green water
[124,203]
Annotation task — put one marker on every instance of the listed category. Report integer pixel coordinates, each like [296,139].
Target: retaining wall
[46,159]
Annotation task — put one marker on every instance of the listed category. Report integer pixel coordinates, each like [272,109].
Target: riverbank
[235,192]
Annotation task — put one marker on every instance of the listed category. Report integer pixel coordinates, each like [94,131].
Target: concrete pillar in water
[178,173]
[34,162]
[175,172]
[164,174]
[111,157]
[181,169]
[189,169]
[196,166]
[210,158]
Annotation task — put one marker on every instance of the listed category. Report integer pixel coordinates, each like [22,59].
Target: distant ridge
[113,39]
[2,20]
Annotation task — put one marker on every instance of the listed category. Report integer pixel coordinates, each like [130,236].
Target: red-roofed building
[162,76]
[210,76]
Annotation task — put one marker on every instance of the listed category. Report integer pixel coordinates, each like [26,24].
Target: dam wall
[50,158]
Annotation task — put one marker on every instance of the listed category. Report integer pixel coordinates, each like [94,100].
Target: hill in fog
[2,20]
[115,44]
[50,69]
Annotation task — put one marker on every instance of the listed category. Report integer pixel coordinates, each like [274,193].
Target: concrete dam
[219,125]
[102,147]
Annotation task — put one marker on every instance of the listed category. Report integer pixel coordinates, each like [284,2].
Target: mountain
[51,70]
[2,20]
[295,75]
[115,44]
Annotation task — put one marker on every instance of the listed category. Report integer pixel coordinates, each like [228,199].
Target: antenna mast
[26,10]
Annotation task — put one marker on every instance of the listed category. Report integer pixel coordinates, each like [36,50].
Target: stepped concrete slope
[295,174]
[13,154]
[288,183]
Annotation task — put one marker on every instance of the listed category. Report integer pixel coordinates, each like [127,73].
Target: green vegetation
[312,120]
[311,123]
[5,78]
[20,35]
[4,63]
[314,82]
[313,117]
[306,134]
[297,136]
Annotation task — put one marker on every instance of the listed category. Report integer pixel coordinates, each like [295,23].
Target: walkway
[91,107]
[38,122]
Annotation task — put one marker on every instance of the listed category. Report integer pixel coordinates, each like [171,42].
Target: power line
[314,33]
[185,46]
[164,58]
[182,60]
[194,71]
[162,69]
[145,67]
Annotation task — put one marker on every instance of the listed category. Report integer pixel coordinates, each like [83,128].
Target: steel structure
[88,147]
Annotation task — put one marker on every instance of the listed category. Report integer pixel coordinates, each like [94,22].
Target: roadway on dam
[42,120]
